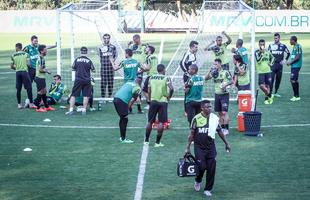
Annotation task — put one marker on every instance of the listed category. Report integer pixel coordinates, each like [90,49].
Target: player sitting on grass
[123,99]
[41,72]
[55,92]
[20,63]
[193,93]
[130,67]
[241,74]
[222,79]
[264,61]
[159,97]
[220,50]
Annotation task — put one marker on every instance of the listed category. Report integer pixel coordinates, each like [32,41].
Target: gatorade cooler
[244,100]
[241,122]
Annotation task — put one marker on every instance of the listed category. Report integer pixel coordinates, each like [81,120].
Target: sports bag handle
[189,157]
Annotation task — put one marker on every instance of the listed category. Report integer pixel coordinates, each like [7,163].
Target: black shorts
[225,66]
[221,102]
[84,86]
[22,78]
[244,87]
[146,85]
[32,73]
[41,84]
[294,74]
[192,108]
[120,107]
[277,67]
[264,78]
[160,108]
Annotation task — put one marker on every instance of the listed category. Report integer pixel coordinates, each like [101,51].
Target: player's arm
[188,86]
[191,136]
[228,38]
[287,51]
[74,65]
[52,46]
[229,78]
[271,59]
[208,76]
[242,69]
[135,95]
[183,62]
[258,56]
[297,57]
[92,67]
[116,66]
[13,66]
[171,89]
[222,136]
[115,54]
[149,91]
[209,46]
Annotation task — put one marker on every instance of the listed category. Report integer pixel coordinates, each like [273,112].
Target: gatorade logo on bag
[191,169]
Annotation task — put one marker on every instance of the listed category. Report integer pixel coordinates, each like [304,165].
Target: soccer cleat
[270,100]
[32,106]
[126,141]
[293,99]
[197,186]
[159,145]
[266,102]
[19,106]
[50,108]
[207,193]
[276,95]
[69,113]
[92,109]
[41,110]
[297,98]
[146,143]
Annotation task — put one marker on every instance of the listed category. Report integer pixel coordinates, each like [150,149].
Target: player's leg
[264,85]
[273,76]
[110,82]
[28,87]
[278,79]
[190,111]
[86,91]
[32,74]
[224,99]
[103,81]
[295,83]
[76,92]
[19,85]
[211,168]
[151,119]
[145,89]
[201,167]
[218,107]
[162,118]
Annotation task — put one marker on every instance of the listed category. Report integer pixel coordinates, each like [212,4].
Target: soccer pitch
[80,157]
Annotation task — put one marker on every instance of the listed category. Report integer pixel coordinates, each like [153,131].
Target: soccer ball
[214,73]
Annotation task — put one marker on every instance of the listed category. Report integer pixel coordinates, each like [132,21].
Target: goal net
[215,16]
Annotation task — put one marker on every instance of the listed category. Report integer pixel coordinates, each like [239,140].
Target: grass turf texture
[76,163]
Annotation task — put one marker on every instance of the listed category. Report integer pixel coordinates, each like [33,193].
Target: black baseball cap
[84,49]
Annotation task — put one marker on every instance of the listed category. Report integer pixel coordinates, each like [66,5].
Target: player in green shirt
[41,72]
[150,66]
[242,51]
[32,50]
[220,50]
[159,97]
[222,80]
[295,62]
[193,92]
[130,67]
[241,74]
[264,60]
[137,48]
[20,63]
[123,99]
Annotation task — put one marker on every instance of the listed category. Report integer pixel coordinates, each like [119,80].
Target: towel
[213,124]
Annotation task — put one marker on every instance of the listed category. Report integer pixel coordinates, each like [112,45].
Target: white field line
[3,73]
[131,127]
[142,166]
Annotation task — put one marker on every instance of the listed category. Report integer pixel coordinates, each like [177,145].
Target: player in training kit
[20,63]
[242,51]
[32,50]
[277,49]
[193,92]
[295,62]
[108,54]
[264,60]
[123,99]
[82,66]
[220,50]
[188,59]
[159,97]
[241,74]
[150,66]
[203,129]
[130,67]
[40,80]
[222,79]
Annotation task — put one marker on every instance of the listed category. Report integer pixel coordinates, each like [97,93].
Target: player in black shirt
[82,67]
[277,49]
[108,54]
[203,129]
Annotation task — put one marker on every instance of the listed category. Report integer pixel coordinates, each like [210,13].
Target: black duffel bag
[187,166]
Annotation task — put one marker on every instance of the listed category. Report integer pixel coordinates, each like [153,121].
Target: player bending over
[159,97]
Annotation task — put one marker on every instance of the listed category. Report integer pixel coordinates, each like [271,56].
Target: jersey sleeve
[92,67]
[271,59]
[287,51]
[228,76]
[74,65]
[194,124]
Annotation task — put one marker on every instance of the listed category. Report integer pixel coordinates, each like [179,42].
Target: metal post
[58,39]
[253,59]
[142,16]
[72,40]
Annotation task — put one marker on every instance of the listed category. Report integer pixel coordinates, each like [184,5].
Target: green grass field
[79,157]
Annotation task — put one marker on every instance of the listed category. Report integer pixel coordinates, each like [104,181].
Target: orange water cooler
[244,105]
